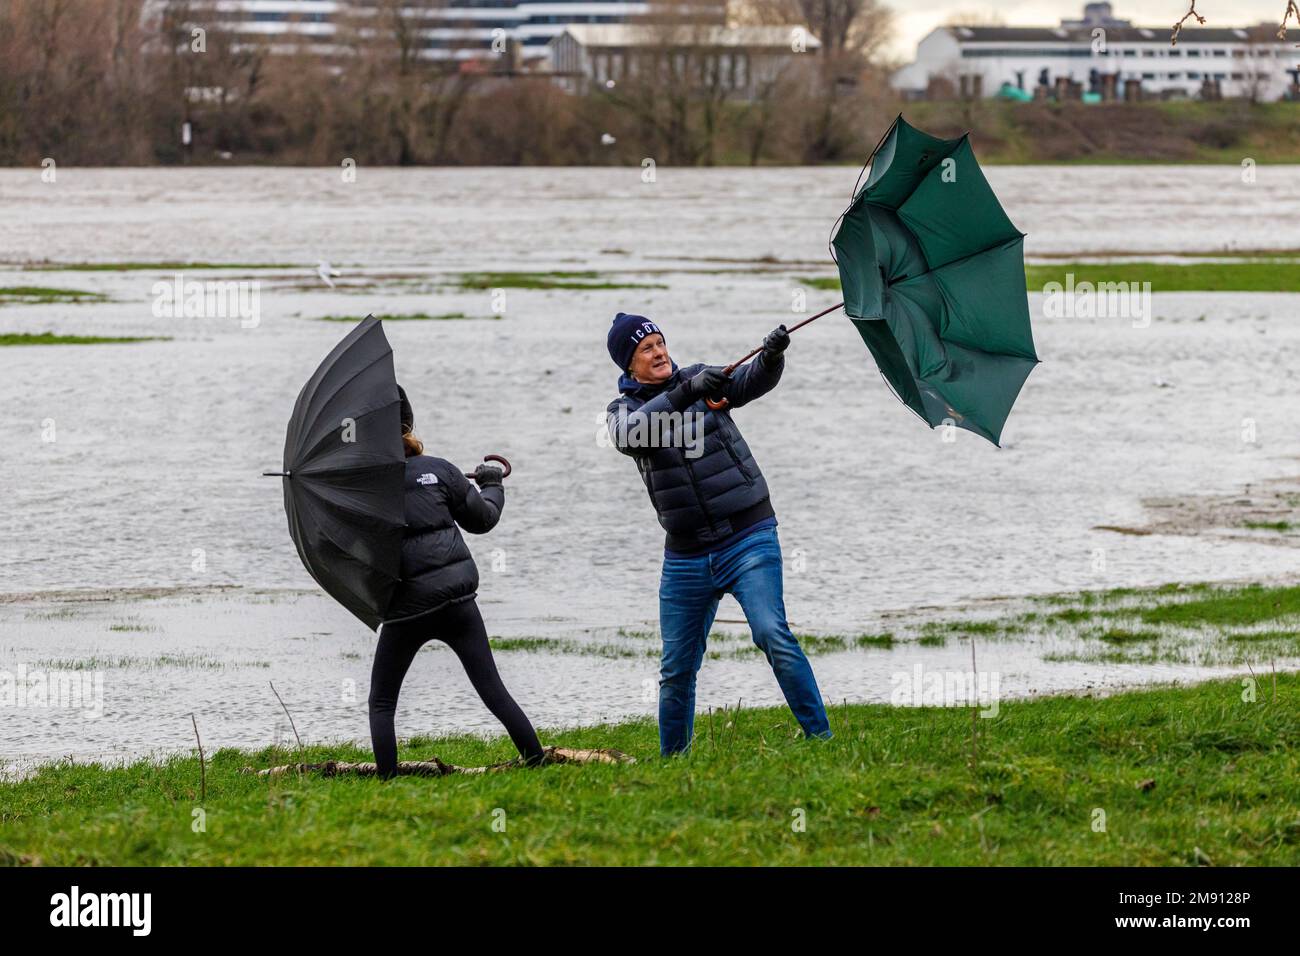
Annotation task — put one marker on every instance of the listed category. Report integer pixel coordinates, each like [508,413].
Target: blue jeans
[689,591]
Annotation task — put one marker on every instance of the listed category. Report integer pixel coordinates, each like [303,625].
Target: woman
[435,597]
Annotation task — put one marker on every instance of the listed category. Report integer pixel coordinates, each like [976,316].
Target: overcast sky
[913,19]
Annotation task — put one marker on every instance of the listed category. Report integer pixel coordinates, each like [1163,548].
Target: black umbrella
[344,471]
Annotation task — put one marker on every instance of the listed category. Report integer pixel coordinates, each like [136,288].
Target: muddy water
[152,474]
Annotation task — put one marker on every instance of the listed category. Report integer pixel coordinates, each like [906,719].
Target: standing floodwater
[151,478]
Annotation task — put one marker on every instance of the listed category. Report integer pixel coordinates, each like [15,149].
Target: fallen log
[438,768]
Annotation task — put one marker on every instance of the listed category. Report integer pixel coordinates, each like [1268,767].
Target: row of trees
[101,82]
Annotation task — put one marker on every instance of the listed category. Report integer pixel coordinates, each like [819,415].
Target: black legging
[460,626]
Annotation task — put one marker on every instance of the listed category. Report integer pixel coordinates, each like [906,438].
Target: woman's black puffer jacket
[437,568]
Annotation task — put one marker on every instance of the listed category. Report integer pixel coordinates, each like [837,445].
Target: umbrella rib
[306,457]
[943,292]
[970,255]
[348,556]
[300,451]
[879,143]
[391,526]
[336,353]
[319,575]
[830,242]
[894,391]
[311,487]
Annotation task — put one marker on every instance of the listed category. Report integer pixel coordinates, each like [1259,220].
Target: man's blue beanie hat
[625,334]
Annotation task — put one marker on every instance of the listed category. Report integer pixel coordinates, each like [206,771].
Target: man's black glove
[486,474]
[707,383]
[776,342]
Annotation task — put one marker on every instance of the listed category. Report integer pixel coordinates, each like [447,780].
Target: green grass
[1177,772]
[1176,131]
[720,644]
[825,283]
[407,317]
[1164,277]
[1259,252]
[1120,636]
[1248,605]
[154,266]
[49,338]
[561,646]
[128,662]
[37,294]
[545,280]
[132,627]
[1200,624]
[1276,635]
[1173,277]
[1270,525]
[885,640]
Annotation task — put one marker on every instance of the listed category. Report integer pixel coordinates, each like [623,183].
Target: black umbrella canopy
[344,469]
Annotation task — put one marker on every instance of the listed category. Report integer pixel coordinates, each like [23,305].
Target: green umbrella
[933,274]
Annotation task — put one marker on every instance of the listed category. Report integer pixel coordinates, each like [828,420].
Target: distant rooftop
[1097,15]
[633,35]
[1264,33]
[1117,31]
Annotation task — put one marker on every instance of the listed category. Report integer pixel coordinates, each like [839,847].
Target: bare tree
[850,66]
[861,27]
[974,18]
[674,81]
[409,93]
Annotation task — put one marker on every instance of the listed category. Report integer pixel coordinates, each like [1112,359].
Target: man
[712,502]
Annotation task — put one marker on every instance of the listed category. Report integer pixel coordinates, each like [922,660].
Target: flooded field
[133,470]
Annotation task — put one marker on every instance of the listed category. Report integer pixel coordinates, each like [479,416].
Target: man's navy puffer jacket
[437,568]
[704,499]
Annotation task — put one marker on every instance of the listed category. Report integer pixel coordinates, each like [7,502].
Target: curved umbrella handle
[717,404]
[505,466]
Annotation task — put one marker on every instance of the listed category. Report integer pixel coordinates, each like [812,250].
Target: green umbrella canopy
[933,274]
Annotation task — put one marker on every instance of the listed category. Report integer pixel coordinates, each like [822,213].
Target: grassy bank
[1273,276]
[1179,776]
[1282,276]
[153,266]
[49,338]
[408,317]
[1200,625]
[1228,131]
[35,294]
[547,280]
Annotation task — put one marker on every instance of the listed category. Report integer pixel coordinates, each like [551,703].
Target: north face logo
[428,479]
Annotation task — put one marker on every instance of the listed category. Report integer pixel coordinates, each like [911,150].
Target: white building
[449,29]
[741,59]
[1245,61]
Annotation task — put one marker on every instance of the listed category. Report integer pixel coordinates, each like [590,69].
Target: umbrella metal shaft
[718,403]
[798,325]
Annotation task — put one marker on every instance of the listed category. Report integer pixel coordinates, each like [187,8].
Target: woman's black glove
[706,383]
[777,341]
[486,474]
